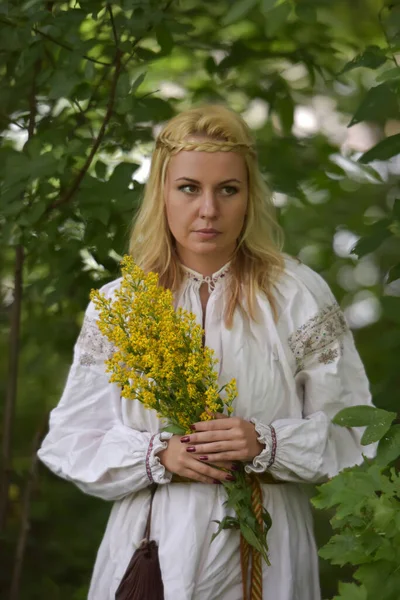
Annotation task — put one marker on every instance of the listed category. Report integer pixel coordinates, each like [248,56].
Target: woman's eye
[229,190]
[188,189]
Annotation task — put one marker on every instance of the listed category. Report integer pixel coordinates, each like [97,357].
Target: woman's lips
[207,234]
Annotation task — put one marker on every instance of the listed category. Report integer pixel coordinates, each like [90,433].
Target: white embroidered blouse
[293,376]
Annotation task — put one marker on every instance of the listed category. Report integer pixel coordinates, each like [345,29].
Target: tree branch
[110,107]
[389,45]
[113,24]
[12,377]
[70,48]
[25,512]
[119,65]
[5,118]
[58,43]
[11,390]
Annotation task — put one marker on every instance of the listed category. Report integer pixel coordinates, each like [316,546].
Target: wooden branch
[11,390]
[58,43]
[70,48]
[5,118]
[119,65]
[110,107]
[14,340]
[382,24]
[26,512]
[110,12]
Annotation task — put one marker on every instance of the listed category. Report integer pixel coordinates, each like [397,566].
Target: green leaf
[391,308]
[379,233]
[361,416]
[285,109]
[396,208]
[138,82]
[267,5]
[164,38]
[36,212]
[175,429]
[383,150]
[62,85]
[306,12]
[238,10]
[124,85]
[351,591]
[375,432]
[379,104]
[389,446]
[100,169]
[389,75]
[394,273]
[372,58]
[277,17]
[384,513]
[145,54]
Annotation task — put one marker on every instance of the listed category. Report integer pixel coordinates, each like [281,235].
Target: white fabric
[294,374]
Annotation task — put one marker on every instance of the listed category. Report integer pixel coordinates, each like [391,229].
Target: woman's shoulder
[109,289]
[297,278]
[302,290]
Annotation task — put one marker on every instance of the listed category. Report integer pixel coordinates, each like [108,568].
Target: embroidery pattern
[210,280]
[94,344]
[149,450]
[274,446]
[317,334]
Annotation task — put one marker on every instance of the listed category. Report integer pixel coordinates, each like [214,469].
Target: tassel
[142,579]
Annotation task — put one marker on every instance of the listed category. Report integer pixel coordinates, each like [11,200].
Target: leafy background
[84,87]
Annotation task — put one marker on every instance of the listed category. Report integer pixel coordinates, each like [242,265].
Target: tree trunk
[11,390]
[25,514]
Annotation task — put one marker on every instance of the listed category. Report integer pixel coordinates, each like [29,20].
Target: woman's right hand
[177,460]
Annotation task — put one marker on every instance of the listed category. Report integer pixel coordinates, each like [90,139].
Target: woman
[207,227]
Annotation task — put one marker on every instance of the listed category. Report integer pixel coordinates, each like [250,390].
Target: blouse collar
[210,280]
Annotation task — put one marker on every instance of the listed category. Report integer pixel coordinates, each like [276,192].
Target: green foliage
[367,509]
[83,88]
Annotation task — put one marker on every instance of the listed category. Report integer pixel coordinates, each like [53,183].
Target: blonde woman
[207,226]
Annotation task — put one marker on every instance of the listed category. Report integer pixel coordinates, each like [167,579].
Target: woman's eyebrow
[198,182]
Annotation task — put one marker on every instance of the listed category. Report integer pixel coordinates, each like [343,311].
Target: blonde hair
[258,260]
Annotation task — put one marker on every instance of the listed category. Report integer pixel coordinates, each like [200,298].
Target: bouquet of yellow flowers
[160,360]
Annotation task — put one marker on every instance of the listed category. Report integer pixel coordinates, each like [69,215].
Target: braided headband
[175,146]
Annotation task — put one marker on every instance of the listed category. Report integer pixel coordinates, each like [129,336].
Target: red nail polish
[216,481]
[235,467]
[230,478]
[191,449]
[193,427]
[203,457]
[184,439]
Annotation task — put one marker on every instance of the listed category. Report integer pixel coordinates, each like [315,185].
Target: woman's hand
[176,459]
[223,439]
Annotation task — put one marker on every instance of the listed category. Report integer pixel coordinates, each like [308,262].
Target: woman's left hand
[224,438]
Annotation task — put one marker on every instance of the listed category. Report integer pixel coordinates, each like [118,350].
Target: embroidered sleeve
[93,345]
[318,336]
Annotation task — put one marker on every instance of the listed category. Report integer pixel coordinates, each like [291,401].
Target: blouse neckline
[210,280]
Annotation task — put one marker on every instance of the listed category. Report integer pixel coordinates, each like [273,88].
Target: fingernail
[216,481]
[193,427]
[235,467]
[203,457]
[184,439]
[191,449]
[230,478]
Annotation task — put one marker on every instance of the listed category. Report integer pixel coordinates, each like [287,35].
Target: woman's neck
[205,265]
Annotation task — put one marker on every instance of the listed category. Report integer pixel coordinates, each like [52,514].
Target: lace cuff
[267,436]
[156,472]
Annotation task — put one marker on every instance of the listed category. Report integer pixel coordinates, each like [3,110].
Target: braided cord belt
[247,552]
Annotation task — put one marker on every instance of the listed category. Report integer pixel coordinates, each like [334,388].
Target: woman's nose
[208,205]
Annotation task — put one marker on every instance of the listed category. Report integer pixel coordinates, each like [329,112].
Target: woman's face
[206,196]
